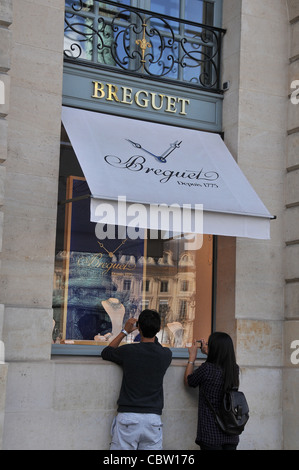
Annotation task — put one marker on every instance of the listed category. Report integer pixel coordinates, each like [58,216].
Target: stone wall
[31,39]
[5,63]
[254,124]
[73,402]
[291,326]
[31,177]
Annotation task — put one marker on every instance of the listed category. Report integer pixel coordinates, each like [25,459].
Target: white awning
[143,171]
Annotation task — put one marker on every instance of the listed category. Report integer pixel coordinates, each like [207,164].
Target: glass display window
[101,282]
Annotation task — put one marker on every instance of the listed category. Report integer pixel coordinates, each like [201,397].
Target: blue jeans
[136,431]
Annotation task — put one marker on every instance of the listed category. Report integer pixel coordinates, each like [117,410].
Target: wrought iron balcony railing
[107,34]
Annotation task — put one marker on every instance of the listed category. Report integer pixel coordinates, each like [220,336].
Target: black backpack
[233,413]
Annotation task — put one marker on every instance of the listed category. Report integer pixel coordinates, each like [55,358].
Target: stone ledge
[294,20]
[6,12]
[293,131]
[292,280]
[5,49]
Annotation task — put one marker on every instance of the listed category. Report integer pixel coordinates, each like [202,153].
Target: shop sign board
[123,95]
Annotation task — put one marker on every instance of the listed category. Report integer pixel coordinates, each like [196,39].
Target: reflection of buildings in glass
[58,296]
[81,39]
[170,289]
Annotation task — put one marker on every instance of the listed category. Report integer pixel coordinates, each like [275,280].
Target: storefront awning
[140,172]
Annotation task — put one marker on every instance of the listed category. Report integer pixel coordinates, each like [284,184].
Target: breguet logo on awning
[161,158]
[141,98]
[145,157]
[138,163]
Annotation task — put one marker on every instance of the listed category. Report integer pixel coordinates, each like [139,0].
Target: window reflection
[97,289]
[99,284]
[112,35]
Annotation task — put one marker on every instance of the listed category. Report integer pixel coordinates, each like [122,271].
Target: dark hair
[149,322]
[221,352]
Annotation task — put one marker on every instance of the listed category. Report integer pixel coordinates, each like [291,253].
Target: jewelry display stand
[177,330]
[116,312]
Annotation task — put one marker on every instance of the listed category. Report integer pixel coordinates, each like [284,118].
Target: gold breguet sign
[163,102]
[142,98]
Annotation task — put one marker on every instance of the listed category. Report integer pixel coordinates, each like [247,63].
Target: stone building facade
[45,402]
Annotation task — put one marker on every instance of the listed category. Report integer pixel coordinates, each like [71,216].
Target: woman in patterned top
[218,374]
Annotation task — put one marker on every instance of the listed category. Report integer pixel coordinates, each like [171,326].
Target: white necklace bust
[116,311]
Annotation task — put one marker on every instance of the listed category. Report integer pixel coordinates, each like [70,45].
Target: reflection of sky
[160,61]
[193,10]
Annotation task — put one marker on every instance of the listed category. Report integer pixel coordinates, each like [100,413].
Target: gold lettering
[153,102]
[127,95]
[170,108]
[144,100]
[184,101]
[158,101]
[112,90]
[94,260]
[98,87]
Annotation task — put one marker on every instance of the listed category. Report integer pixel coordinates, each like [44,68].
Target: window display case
[101,282]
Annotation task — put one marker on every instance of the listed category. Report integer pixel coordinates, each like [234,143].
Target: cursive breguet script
[96,261]
[137,163]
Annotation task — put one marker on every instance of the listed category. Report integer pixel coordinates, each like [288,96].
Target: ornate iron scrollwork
[106,33]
